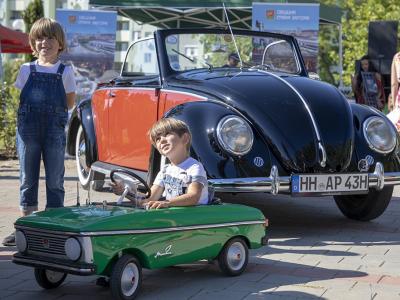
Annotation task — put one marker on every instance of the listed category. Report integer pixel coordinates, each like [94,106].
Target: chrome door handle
[112,94]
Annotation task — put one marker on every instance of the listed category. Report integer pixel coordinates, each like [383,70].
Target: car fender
[202,118]
[85,115]
[390,161]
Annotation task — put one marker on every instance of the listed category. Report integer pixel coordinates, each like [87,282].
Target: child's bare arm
[191,198]
[71,100]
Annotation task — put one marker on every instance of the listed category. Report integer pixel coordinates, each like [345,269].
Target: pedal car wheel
[365,207]
[49,279]
[126,278]
[87,177]
[234,257]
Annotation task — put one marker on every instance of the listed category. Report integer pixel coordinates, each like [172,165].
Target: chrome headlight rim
[221,141]
[367,123]
[75,244]
[21,241]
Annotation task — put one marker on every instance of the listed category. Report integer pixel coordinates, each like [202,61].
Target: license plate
[329,183]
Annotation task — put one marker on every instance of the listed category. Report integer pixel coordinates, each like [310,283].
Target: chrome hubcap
[82,158]
[53,276]
[129,279]
[236,256]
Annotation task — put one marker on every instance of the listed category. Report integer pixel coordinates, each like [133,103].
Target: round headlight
[73,249]
[381,137]
[235,135]
[20,241]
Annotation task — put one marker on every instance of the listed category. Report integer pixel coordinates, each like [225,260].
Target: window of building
[15,14]
[191,51]
[61,4]
[147,57]
[137,35]
[123,25]
[121,46]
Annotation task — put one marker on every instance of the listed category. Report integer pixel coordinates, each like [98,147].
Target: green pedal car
[117,239]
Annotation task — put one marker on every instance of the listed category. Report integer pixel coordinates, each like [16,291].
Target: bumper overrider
[276,184]
[59,265]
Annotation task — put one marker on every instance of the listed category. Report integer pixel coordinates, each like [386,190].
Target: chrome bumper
[275,184]
[55,265]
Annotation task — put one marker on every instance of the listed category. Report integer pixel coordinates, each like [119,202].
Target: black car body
[263,126]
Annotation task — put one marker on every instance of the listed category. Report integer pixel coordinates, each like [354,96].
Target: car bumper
[54,264]
[276,184]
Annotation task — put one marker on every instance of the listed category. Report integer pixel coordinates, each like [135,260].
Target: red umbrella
[12,41]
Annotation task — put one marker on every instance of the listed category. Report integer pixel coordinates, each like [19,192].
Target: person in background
[367,85]
[233,60]
[395,80]
[47,92]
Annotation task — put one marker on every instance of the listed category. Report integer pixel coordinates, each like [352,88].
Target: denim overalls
[42,116]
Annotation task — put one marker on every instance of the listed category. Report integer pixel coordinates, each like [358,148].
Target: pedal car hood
[97,218]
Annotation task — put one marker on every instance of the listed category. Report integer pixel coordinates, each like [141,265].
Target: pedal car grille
[44,244]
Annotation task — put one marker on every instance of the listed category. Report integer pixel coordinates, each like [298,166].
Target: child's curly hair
[169,125]
[49,28]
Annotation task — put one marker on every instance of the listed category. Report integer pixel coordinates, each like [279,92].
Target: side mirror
[314,76]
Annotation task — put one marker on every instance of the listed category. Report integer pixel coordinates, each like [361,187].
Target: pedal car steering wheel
[132,175]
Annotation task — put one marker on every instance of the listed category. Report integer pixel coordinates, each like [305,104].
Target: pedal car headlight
[20,241]
[73,249]
[381,137]
[235,135]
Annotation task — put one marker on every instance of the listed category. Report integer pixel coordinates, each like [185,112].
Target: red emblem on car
[45,243]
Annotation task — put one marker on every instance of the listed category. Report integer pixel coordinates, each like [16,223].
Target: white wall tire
[126,278]
[86,175]
[234,257]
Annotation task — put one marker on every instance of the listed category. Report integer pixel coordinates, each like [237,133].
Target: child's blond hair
[169,125]
[46,27]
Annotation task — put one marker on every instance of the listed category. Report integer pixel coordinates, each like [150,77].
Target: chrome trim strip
[183,93]
[323,160]
[56,266]
[142,231]
[130,88]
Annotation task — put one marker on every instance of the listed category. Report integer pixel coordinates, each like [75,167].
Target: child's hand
[157,204]
[117,188]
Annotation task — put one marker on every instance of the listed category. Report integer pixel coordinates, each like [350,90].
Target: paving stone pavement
[314,253]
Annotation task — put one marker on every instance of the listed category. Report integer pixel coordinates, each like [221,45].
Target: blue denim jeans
[34,144]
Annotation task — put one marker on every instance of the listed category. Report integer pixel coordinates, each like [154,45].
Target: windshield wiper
[210,67]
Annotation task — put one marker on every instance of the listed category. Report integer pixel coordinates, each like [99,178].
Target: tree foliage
[355,20]
[33,12]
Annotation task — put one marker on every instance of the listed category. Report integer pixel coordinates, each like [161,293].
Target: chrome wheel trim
[236,256]
[129,279]
[80,158]
[54,276]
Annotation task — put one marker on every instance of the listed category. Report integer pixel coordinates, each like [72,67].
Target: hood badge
[365,163]
[258,161]
[167,251]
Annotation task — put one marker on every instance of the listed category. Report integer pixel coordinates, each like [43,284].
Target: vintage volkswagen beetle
[263,126]
[117,239]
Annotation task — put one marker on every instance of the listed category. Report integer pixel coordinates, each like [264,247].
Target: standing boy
[47,92]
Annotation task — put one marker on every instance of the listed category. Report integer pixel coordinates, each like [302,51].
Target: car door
[132,107]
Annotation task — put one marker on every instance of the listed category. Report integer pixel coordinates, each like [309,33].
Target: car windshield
[190,51]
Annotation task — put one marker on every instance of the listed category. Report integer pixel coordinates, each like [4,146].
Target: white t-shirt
[67,77]
[175,179]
